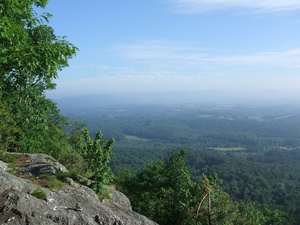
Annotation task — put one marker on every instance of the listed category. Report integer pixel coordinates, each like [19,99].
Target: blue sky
[244,47]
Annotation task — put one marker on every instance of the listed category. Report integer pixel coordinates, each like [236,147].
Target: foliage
[47,181]
[106,194]
[39,193]
[165,193]
[31,53]
[7,126]
[188,127]
[53,183]
[162,191]
[96,153]
[40,128]
[216,207]
[266,172]
[70,174]
[30,56]
[9,158]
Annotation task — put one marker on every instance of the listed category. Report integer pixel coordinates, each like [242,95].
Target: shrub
[39,193]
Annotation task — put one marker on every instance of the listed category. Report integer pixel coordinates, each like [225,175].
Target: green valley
[255,150]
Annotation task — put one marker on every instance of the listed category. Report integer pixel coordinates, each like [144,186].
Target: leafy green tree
[96,153]
[31,53]
[7,126]
[30,57]
[40,127]
[214,206]
[162,191]
[76,133]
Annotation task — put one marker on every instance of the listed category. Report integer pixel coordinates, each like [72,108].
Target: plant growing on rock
[39,193]
[96,153]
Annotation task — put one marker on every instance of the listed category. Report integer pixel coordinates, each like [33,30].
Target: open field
[130,137]
[230,149]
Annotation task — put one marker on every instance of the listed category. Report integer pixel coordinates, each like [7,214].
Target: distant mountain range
[100,101]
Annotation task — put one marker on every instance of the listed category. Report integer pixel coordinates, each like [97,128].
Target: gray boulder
[38,164]
[71,204]
[3,166]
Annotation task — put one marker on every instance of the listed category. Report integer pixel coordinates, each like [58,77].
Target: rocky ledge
[72,203]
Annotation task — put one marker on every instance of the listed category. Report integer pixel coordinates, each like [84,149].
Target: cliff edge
[72,203]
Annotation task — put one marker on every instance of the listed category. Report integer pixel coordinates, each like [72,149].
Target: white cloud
[258,6]
[287,59]
[164,54]
[157,66]
[156,50]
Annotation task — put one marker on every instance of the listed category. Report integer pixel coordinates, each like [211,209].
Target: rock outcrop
[70,204]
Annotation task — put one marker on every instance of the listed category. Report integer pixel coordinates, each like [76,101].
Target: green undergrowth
[9,158]
[39,193]
[47,181]
[107,192]
[12,160]
[70,174]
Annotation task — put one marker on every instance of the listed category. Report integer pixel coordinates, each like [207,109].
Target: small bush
[11,171]
[51,182]
[71,174]
[105,194]
[54,183]
[39,193]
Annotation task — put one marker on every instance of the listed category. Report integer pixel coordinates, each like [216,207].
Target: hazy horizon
[218,98]
[240,48]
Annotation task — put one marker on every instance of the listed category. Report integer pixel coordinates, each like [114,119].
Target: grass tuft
[39,193]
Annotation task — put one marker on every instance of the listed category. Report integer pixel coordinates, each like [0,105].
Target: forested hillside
[255,150]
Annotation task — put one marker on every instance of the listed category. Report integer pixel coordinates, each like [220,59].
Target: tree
[7,126]
[214,206]
[31,53]
[30,57]
[96,153]
[164,192]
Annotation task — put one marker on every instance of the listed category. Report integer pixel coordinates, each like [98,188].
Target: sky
[245,47]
